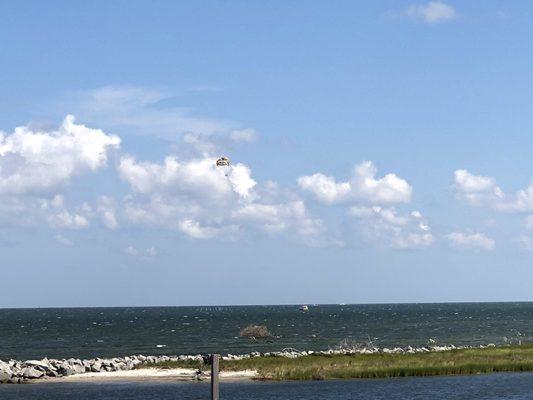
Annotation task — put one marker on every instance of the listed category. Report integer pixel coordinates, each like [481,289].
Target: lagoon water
[478,387]
[107,332]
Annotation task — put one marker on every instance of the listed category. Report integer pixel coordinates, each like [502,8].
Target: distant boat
[304,308]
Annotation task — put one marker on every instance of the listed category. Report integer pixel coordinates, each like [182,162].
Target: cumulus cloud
[280,217]
[192,177]
[107,210]
[370,199]
[60,217]
[395,230]
[187,194]
[476,189]
[67,220]
[203,201]
[325,188]
[432,13]
[34,161]
[479,190]
[362,187]
[193,229]
[471,240]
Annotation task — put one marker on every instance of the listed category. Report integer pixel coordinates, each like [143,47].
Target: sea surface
[107,332]
[477,387]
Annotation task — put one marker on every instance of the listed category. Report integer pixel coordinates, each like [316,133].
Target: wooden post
[214,376]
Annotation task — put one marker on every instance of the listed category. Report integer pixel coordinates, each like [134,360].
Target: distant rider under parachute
[224,163]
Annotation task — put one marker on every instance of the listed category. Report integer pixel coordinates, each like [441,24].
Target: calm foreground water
[486,387]
[104,332]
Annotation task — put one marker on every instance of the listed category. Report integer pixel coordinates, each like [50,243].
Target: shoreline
[147,374]
[289,364]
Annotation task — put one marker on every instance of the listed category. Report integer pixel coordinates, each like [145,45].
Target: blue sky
[379,150]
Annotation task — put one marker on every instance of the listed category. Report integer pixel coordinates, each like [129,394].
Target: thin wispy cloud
[149,112]
[471,240]
[146,254]
[63,240]
[433,12]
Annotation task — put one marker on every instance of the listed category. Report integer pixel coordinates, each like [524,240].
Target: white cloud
[362,187]
[154,112]
[195,230]
[60,217]
[67,220]
[471,240]
[370,198]
[480,190]
[197,177]
[106,210]
[416,214]
[243,135]
[396,231]
[63,240]
[413,240]
[33,161]
[280,217]
[132,251]
[144,111]
[432,12]
[151,251]
[147,253]
[476,189]
[199,219]
[203,201]
[325,188]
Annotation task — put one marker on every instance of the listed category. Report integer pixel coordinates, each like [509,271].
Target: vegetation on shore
[255,332]
[378,365]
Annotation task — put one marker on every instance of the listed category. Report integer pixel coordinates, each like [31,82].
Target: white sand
[151,373]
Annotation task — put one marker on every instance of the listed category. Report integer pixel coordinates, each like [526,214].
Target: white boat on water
[304,308]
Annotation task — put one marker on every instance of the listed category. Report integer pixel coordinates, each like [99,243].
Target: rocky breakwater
[14,371]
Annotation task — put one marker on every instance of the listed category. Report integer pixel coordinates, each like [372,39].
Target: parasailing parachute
[224,164]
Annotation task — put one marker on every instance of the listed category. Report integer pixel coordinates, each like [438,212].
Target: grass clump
[255,332]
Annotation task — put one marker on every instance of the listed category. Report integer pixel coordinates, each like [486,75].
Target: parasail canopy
[223,162]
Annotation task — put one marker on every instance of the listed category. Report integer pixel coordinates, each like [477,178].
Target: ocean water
[477,387]
[106,332]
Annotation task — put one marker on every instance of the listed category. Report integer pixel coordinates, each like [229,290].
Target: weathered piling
[215,358]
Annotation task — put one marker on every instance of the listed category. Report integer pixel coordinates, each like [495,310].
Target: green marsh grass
[379,365]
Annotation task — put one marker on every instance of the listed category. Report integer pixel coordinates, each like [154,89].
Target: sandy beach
[185,374]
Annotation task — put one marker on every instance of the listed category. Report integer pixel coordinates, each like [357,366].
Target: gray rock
[96,366]
[32,373]
[78,368]
[87,365]
[5,376]
[66,369]
[43,364]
